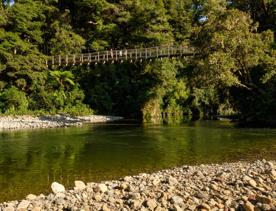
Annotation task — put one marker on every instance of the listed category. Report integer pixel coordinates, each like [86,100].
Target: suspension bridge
[131,55]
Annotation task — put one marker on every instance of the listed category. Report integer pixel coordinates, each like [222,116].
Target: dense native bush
[13,100]
[232,72]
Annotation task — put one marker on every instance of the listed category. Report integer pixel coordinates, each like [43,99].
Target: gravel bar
[237,186]
[30,122]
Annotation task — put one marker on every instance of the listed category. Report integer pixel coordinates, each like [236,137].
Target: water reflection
[31,160]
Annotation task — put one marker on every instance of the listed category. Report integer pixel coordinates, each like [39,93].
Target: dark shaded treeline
[232,74]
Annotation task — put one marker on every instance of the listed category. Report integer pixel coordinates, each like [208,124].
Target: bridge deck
[121,55]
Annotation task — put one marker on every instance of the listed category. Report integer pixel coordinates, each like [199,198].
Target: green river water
[31,160]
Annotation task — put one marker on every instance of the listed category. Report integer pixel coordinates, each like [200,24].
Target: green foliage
[65,41]
[12,100]
[234,66]
[262,12]
[3,17]
[235,56]
[230,49]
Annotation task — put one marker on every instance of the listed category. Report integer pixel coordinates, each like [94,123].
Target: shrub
[13,100]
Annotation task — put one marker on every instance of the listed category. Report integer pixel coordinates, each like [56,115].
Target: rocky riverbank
[30,122]
[235,186]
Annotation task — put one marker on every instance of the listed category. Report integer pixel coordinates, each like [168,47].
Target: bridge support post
[89,58]
[59,60]
[53,61]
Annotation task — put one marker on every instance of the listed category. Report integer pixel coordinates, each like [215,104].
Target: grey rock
[176,200]
[23,205]
[105,208]
[60,195]
[151,204]
[79,185]
[102,188]
[172,180]
[57,188]
[263,199]
[248,206]
[127,179]
[97,197]
[9,208]
[31,197]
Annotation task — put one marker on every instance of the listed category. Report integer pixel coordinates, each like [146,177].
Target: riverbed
[30,160]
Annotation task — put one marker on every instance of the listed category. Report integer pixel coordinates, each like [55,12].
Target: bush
[12,101]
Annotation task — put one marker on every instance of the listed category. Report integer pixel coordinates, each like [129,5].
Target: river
[30,160]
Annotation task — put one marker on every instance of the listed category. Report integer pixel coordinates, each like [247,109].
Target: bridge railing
[120,55]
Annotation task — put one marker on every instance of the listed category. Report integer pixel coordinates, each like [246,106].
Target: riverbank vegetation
[232,73]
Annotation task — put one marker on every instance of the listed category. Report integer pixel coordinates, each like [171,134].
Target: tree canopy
[232,73]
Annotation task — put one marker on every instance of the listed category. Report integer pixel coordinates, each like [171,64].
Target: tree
[235,57]
[230,48]
[261,11]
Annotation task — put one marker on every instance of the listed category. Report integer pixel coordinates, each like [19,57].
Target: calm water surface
[31,160]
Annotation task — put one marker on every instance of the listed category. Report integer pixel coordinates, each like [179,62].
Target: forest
[232,73]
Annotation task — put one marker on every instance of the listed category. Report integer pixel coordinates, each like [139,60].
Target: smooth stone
[60,195]
[9,208]
[172,180]
[31,197]
[156,181]
[79,185]
[97,197]
[214,187]
[105,208]
[267,207]
[176,200]
[127,179]
[102,188]
[204,206]
[273,173]
[136,204]
[151,204]
[57,188]
[124,186]
[263,199]
[252,183]
[135,196]
[36,209]
[177,208]
[23,205]
[270,164]
[248,206]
